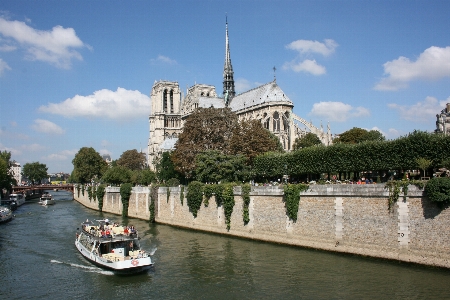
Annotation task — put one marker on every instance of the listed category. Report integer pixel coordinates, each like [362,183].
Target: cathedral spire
[228,81]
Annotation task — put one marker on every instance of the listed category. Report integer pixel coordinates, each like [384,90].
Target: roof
[269,92]
[207,102]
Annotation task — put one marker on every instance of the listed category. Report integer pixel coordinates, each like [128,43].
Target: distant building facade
[266,103]
[443,121]
[16,170]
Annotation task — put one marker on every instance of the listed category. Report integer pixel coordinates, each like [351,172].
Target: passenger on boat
[125,230]
[132,229]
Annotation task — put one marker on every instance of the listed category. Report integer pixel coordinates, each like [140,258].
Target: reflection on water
[39,261]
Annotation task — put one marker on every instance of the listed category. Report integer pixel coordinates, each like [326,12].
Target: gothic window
[276,122]
[165,101]
[171,101]
[286,121]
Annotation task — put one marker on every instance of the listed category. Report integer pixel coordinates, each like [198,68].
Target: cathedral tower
[228,81]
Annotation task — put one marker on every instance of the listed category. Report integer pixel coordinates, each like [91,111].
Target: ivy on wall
[228,202]
[194,197]
[125,193]
[181,194]
[208,191]
[100,193]
[82,189]
[153,195]
[292,199]
[246,199]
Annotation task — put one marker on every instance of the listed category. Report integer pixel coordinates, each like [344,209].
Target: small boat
[112,247]
[46,199]
[18,198]
[5,214]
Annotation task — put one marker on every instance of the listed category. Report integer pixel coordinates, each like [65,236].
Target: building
[443,121]
[266,103]
[16,171]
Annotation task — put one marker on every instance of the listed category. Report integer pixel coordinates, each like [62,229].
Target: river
[39,261]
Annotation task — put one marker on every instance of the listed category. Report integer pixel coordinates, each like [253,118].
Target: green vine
[153,196]
[168,194]
[82,189]
[194,197]
[181,194]
[395,187]
[208,191]
[125,193]
[100,193]
[78,189]
[246,199]
[292,199]
[89,190]
[228,202]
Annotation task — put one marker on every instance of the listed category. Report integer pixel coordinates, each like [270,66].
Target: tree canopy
[132,160]
[214,166]
[117,175]
[6,177]
[357,135]
[308,140]
[88,165]
[165,168]
[205,129]
[251,139]
[35,171]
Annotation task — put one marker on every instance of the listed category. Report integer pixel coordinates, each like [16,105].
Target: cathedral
[266,103]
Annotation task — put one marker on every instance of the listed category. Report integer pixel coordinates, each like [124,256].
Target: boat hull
[129,266]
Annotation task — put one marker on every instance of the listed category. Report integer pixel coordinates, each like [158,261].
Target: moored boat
[5,214]
[46,199]
[18,198]
[112,247]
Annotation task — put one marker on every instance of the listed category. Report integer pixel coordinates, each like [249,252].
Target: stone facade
[443,121]
[342,218]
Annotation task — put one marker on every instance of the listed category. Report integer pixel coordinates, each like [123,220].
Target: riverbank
[340,218]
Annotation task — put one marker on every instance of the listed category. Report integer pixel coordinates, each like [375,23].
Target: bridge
[26,189]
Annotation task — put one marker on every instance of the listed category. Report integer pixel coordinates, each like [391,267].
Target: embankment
[342,218]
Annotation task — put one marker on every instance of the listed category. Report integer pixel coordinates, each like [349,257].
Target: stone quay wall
[341,218]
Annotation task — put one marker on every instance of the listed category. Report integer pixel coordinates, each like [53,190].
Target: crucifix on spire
[274,74]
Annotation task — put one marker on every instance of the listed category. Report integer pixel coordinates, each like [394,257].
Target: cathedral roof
[207,102]
[269,92]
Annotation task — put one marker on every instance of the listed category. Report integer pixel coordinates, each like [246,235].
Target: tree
[143,177]
[35,171]
[165,168]
[357,135]
[132,160]
[205,129]
[308,140]
[423,164]
[6,177]
[251,139]
[214,166]
[88,165]
[117,175]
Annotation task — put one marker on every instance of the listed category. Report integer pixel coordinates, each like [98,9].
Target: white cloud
[242,85]
[421,111]
[307,46]
[304,47]
[32,148]
[337,111]
[54,46]
[7,48]
[45,126]
[3,66]
[432,64]
[14,151]
[163,59]
[307,66]
[118,105]
[63,155]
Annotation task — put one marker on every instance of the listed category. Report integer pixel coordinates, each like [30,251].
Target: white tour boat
[46,199]
[18,198]
[5,214]
[112,247]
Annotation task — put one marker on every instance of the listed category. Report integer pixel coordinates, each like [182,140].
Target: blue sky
[79,73]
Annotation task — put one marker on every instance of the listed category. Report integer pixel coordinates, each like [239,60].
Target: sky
[78,74]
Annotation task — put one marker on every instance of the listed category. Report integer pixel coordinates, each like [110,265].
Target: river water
[39,261]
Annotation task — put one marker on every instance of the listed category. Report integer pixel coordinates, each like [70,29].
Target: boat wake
[87,268]
[153,251]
